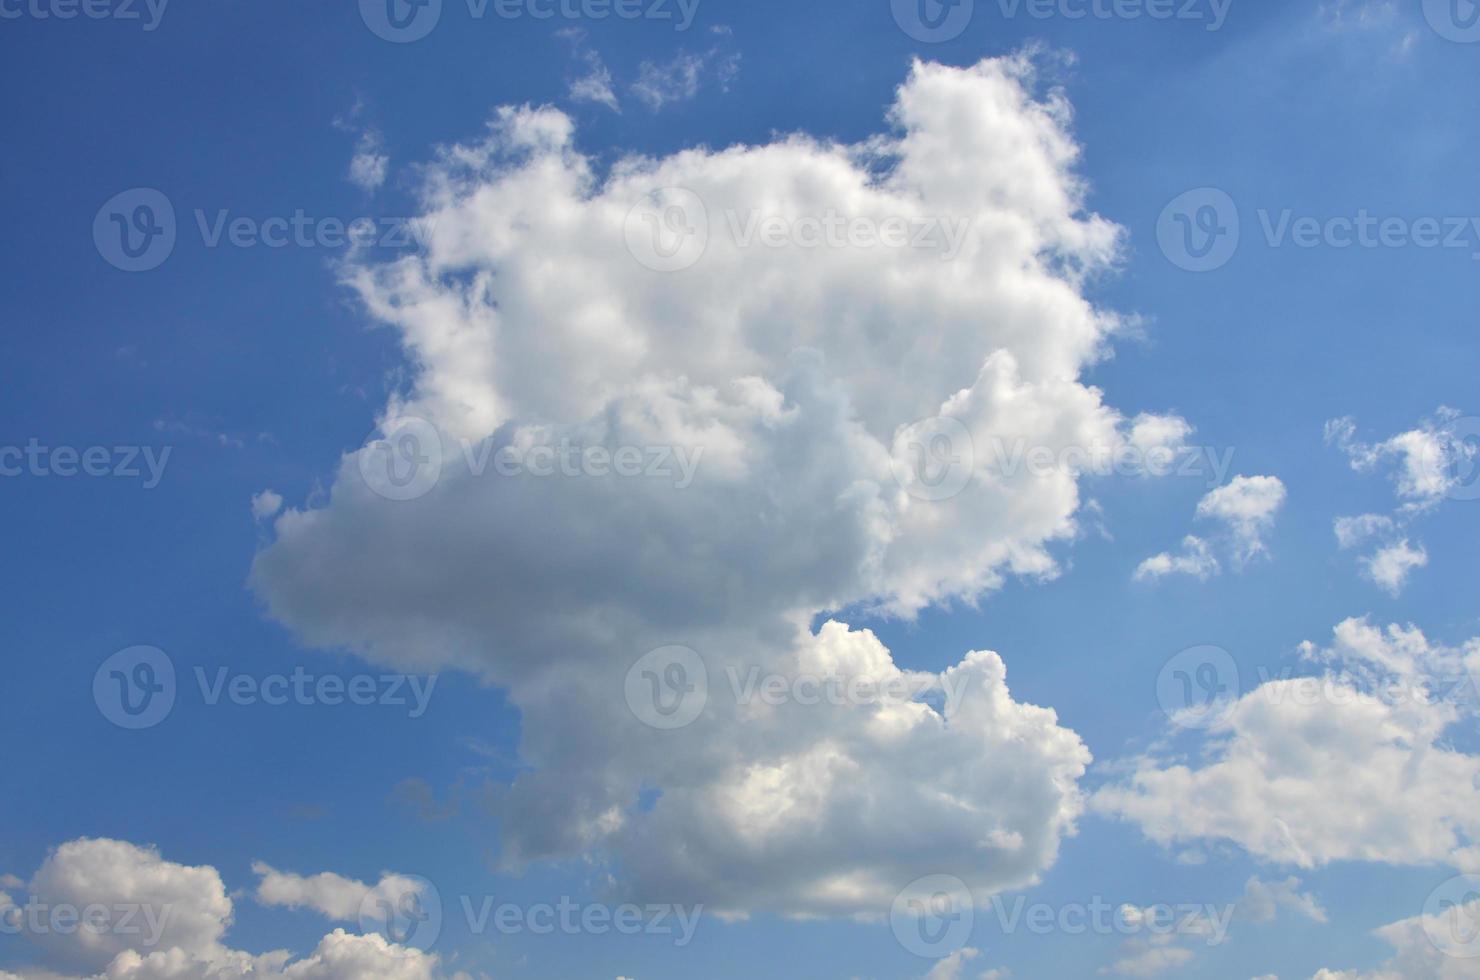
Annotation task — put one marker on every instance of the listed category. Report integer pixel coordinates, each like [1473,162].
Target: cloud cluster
[1348,764]
[801,375]
[1430,464]
[1245,508]
[145,918]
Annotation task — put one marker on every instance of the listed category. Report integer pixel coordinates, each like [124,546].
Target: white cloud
[795,371]
[1433,462]
[1246,507]
[679,80]
[177,917]
[266,504]
[953,967]
[1430,460]
[1417,956]
[1264,900]
[368,169]
[1349,765]
[1390,566]
[1196,560]
[596,84]
[340,899]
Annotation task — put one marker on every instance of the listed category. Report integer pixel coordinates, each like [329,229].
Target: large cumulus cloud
[796,376]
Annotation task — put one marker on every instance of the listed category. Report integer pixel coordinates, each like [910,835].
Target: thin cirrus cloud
[796,374]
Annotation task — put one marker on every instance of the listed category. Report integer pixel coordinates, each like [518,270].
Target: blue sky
[235,394]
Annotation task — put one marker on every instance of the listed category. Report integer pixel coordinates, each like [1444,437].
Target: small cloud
[1390,566]
[266,504]
[679,80]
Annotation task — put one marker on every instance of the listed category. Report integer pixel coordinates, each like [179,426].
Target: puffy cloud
[1390,566]
[266,504]
[1349,764]
[1246,507]
[166,921]
[340,899]
[1418,943]
[1196,560]
[1434,462]
[796,377]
